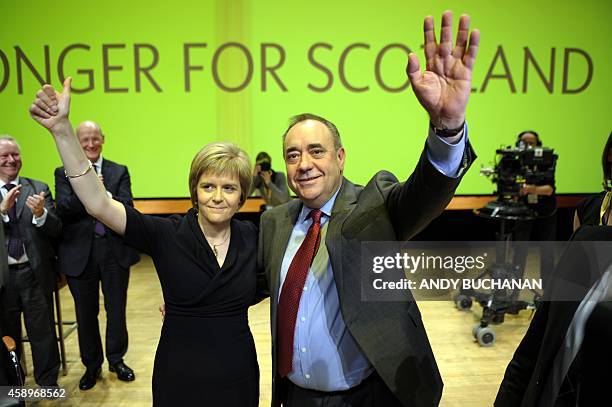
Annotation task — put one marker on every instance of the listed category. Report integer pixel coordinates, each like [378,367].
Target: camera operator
[269,184]
[540,197]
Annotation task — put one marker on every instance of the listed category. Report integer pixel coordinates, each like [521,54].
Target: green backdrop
[164,79]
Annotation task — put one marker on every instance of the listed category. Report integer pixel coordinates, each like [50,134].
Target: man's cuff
[5,218]
[39,221]
[446,154]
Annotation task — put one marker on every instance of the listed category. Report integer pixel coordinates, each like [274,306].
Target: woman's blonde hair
[221,158]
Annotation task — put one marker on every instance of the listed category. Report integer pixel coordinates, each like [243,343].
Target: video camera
[513,168]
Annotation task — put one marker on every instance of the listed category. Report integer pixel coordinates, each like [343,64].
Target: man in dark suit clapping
[90,254]
[30,224]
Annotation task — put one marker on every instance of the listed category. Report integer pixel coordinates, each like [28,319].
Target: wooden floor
[471,373]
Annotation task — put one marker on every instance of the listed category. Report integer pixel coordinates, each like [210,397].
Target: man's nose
[305,162]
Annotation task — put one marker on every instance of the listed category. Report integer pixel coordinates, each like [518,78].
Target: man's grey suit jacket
[391,335]
[38,241]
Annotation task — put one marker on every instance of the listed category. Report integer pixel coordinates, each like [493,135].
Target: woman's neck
[213,231]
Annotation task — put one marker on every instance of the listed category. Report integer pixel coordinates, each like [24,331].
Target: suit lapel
[344,205]
[281,236]
[26,190]
[106,171]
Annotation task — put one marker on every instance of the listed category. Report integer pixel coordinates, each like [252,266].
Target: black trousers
[24,294]
[539,229]
[85,289]
[372,392]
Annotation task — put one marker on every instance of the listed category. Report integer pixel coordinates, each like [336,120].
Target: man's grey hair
[11,139]
[309,116]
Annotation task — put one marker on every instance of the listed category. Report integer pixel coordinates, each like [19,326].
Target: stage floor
[471,373]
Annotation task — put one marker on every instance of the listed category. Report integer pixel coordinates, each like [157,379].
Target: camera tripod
[498,302]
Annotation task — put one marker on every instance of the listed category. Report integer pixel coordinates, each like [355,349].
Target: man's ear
[341,156]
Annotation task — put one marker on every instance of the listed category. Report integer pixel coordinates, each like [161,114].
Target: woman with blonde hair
[205,261]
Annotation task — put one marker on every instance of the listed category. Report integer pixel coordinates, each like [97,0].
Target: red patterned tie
[291,293]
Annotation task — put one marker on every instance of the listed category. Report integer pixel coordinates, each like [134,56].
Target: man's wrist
[444,131]
[442,122]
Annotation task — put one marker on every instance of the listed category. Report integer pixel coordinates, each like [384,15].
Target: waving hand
[443,89]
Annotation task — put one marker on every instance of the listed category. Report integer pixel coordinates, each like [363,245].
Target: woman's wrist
[62,128]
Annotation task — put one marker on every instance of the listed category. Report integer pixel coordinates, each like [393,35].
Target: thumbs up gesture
[51,108]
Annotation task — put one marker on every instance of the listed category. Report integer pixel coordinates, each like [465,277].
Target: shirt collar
[14,182]
[326,208]
[98,163]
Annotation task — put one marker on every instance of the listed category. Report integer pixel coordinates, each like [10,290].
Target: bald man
[90,254]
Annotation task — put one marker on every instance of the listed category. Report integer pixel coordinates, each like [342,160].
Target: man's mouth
[307,180]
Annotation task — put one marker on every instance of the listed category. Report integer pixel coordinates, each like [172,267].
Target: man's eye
[317,152]
[292,156]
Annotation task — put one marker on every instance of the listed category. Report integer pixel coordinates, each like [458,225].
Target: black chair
[64,328]
[10,371]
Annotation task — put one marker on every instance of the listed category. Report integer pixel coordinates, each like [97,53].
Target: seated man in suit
[330,348]
[30,224]
[90,254]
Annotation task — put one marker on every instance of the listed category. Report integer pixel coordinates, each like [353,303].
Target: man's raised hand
[444,87]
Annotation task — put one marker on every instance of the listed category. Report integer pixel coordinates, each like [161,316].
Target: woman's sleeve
[143,232]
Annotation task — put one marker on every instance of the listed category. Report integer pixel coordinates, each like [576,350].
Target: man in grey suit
[329,347]
[30,224]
